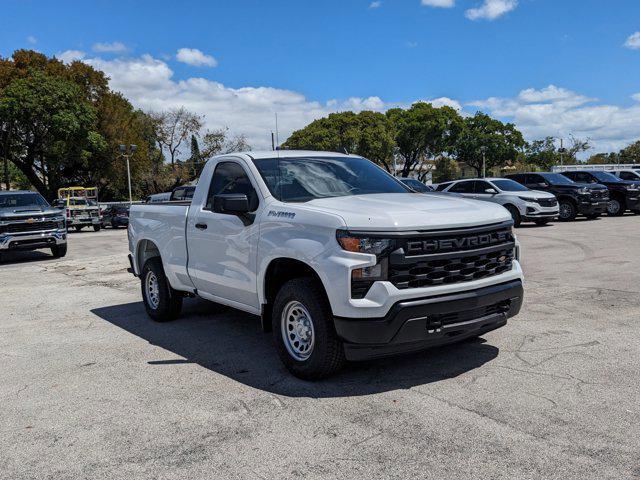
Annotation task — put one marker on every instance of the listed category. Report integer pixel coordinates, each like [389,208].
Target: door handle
[201,226]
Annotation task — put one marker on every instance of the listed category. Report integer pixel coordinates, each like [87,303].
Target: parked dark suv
[116,216]
[588,199]
[623,195]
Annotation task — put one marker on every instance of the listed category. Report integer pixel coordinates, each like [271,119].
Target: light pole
[483,149]
[123,152]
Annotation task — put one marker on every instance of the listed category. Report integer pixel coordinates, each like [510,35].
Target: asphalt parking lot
[90,388]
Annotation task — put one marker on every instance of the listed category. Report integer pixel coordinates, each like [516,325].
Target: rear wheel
[303,330]
[568,211]
[616,207]
[59,251]
[162,302]
[515,215]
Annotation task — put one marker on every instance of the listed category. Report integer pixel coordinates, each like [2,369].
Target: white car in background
[525,205]
[627,174]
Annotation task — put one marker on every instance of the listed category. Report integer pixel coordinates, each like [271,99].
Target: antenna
[277,133]
[273,142]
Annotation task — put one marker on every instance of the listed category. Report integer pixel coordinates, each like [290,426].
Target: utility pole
[126,154]
[483,149]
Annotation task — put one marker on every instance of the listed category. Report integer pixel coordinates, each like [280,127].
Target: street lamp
[123,152]
[483,149]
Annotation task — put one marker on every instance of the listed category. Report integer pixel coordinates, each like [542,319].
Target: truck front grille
[28,227]
[599,194]
[451,257]
[547,202]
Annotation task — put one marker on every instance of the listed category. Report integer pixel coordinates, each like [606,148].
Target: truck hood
[27,212]
[410,211]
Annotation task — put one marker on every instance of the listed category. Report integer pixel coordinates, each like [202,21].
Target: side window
[628,176]
[230,177]
[481,187]
[442,186]
[178,194]
[462,187]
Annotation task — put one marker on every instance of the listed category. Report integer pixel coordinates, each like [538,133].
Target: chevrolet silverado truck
[28,222]
[623,195]
[339,259]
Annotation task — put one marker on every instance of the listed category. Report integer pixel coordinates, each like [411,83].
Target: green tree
[422,133]
[542,154]
[446,169]
[50,129]
[630,154]
[367,133]
[487,140]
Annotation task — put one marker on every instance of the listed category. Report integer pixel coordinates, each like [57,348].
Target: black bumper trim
[414,324]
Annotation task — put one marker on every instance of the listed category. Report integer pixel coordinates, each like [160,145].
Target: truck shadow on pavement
[231,343]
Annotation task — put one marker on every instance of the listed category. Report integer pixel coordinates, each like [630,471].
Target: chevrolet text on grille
[439,245]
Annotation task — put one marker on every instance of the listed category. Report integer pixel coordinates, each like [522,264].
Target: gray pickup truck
[28,222]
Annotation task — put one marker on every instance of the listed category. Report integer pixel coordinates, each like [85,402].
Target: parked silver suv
[525,205]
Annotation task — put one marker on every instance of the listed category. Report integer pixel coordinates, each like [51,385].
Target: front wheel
[59,251]
[515,215]
[615,207]
[303,330]
[96,228]
[161,302]
[568,211]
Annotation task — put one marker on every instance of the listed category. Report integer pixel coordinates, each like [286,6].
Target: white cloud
[195,57]
[376,4]
[438,3]
[31,40]
[411,44]
[633,42]
[445,102]
[491,9]
[149,84]
[69,56]
[558,112]
[113,47]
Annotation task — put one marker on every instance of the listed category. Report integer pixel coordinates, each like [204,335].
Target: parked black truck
[623,194]
[588,199]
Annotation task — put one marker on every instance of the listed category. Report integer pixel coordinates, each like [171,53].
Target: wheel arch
[145,250]
[279,271]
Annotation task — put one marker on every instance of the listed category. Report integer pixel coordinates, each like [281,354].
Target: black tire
[168,303]
[568,211]
[327,354]
[515,215]
[96,228]
[543,221]
[59,251]
[616,207]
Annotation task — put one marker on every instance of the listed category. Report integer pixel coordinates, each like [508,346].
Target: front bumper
[633,202]
[588,206]
[418,324]
[32,240]
[83,222]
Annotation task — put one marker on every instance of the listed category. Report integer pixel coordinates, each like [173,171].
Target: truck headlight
[60,221]
[363,278]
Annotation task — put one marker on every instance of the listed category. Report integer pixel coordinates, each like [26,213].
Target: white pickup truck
[340,259]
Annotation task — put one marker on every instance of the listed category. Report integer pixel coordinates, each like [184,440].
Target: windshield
[605,177]
[509,186]
[18,201]
[304,179]
[77,202]
[557,179]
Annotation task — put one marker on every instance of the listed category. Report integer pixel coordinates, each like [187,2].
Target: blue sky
[553,67]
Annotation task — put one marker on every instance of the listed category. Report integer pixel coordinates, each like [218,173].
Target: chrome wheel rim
[565,210]
[297,331]
[152,290]
[613,206]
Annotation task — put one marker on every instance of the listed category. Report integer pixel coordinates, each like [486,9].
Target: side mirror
[231,203]
[492,191]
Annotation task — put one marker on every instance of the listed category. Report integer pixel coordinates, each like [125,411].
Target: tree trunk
[7,180]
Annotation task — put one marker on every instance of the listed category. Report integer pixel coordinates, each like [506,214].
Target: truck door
[222,247]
